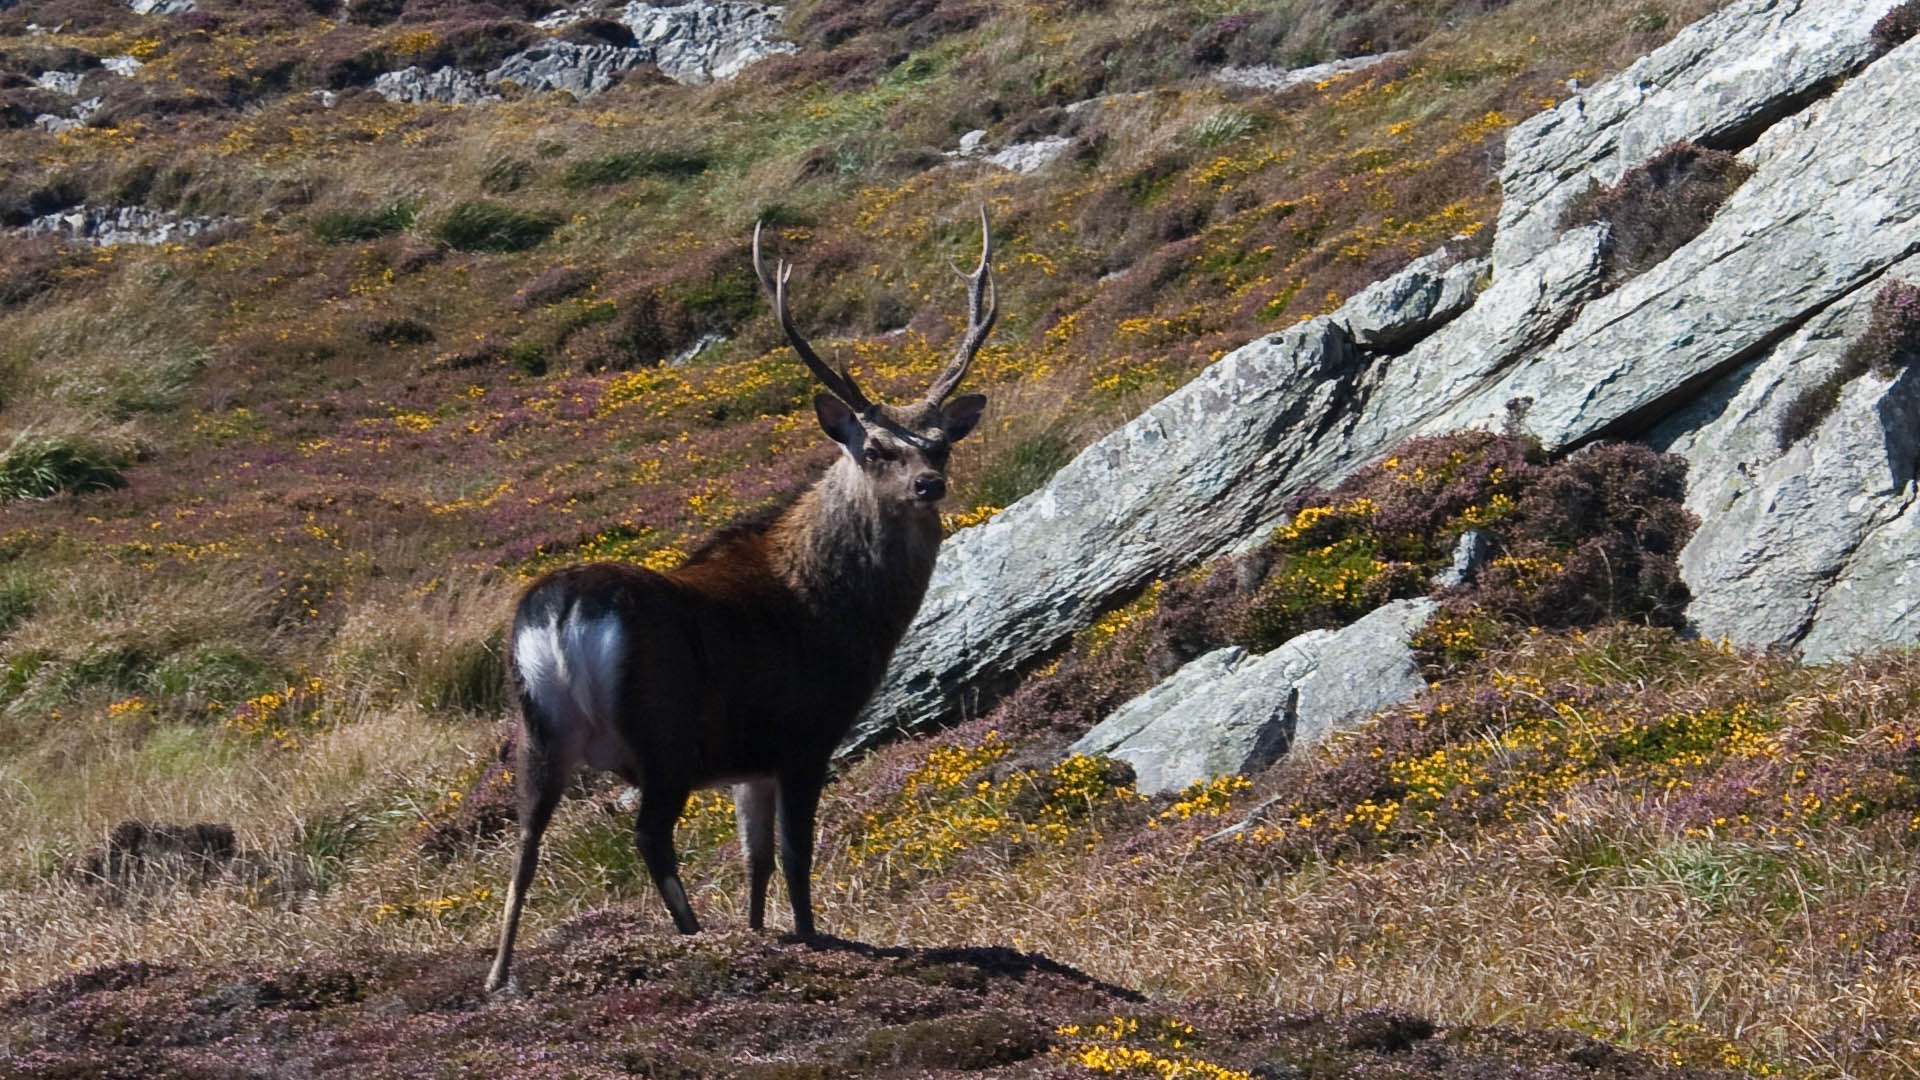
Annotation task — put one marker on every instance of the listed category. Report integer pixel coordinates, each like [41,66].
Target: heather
[1659,204]
[1590,539]
[1890,342]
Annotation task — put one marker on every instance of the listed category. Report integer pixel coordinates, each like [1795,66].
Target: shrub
[347,225]
[632,165]
[1209,47]
[42,466]
[599,32]
[1890,343]
[477,225]
[1660,205]
[1898,26]
[480,44]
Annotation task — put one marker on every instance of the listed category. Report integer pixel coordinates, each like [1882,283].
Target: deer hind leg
[540,776]
[753,809]
[661,804]
[799,798]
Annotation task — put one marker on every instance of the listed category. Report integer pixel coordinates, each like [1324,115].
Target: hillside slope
[321,334]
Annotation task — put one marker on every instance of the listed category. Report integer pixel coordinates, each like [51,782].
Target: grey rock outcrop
[1718,81]
[709,39]
[161,7]
[1232,712]
[692,43]
[447,86]
[1032,156]
[581,70]
[1807,545]
[107,226]
[1828,213]
[1275,79]
[60,82]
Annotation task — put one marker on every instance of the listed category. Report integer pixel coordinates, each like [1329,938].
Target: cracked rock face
[1795,543]
[1815,547]
[1714,82]
[1826,214]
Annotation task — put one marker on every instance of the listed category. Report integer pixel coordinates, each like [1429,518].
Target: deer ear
[961,414]
[838,421]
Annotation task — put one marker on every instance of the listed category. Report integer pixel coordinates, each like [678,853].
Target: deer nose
[930,486]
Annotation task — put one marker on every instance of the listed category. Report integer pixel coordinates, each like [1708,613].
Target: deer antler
[839,383]
[980,291]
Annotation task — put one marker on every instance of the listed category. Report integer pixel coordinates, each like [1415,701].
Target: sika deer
[747,664]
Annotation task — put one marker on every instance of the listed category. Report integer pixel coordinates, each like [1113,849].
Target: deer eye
[874,453]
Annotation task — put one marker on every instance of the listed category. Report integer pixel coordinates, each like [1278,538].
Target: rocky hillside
[1425,442]
[1711,253]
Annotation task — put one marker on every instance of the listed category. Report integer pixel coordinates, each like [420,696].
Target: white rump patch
[572,670]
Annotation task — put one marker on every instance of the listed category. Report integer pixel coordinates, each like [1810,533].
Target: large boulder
[1231,712]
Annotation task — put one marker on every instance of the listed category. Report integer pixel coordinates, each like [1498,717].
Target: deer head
[901,449]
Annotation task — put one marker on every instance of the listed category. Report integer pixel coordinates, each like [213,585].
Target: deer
[747,664]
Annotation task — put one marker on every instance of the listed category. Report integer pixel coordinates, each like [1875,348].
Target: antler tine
[839,383]
[980,292]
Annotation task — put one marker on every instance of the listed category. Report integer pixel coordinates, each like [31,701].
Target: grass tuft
[42,466]
[633,165]
[478,225]
[347,225]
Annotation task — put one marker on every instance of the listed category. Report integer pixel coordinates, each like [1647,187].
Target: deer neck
[857,560]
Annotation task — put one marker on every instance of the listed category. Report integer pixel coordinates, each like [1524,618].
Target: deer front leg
[753,810]
[799,798]
[661,804]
